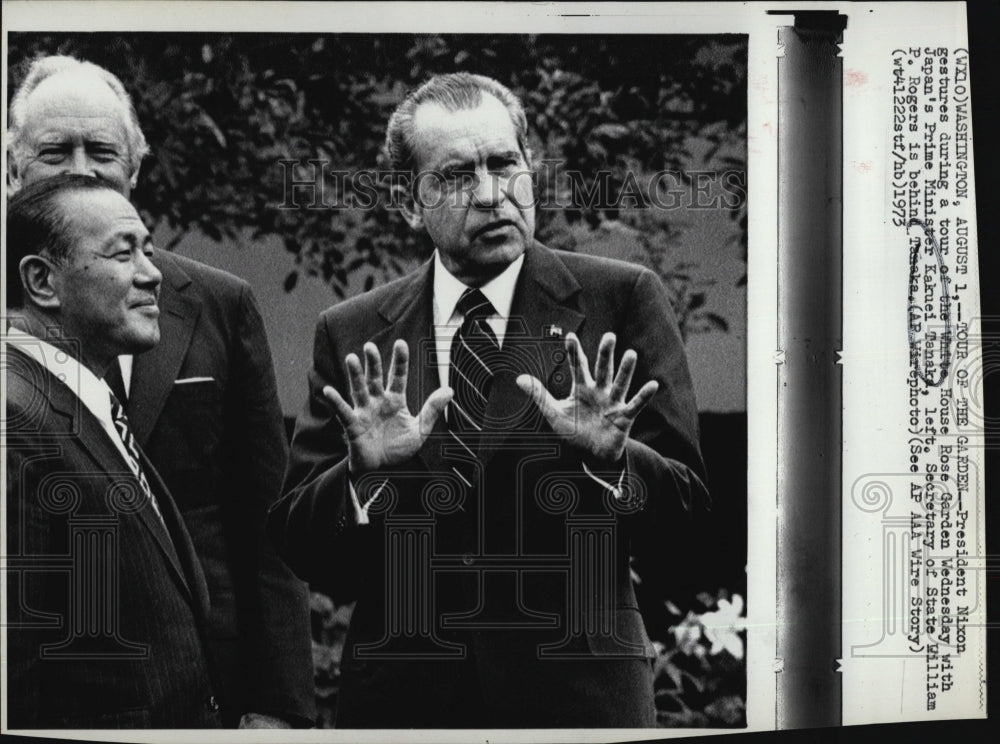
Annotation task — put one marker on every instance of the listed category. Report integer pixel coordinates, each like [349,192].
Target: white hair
[46,67]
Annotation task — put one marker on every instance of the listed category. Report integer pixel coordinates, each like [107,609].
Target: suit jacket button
[467,559]
[212,704]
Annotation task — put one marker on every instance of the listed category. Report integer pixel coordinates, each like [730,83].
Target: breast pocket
[195,410]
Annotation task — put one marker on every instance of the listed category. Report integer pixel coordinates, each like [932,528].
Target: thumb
[433,408]
[534,389]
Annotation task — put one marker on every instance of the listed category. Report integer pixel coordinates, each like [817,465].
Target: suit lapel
[181,549]
[87,431]
[544,298]
[154,372]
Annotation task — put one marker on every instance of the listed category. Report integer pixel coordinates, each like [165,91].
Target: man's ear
[412,211]
[13,173]
[135,176]
[37,278]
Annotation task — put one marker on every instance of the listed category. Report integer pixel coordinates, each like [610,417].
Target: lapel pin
[552,331]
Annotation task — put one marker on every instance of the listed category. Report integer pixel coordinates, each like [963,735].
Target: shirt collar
[448,290]
[92,391]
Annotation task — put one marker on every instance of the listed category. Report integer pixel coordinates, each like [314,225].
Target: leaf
[610,131]
[207,121]
[716,322]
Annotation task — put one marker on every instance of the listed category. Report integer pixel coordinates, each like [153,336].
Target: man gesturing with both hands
[481,498]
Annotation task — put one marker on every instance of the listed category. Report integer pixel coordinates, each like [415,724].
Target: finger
[341,409]
[356,378]
[373,370]
[605,360]
[433,408]
[578,362]
[624,377]
[399,367]
[641,400]
[534,389]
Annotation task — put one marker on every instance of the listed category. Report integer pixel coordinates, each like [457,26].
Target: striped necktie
[132,450]
[473,349]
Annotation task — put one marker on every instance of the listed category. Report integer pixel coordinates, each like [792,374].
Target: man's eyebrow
[514,154]
[130,238]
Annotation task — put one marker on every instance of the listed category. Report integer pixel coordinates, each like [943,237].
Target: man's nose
[488,190]
[147,275]
[79,163]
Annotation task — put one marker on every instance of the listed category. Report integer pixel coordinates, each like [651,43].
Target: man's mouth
[149,304]
[491,228]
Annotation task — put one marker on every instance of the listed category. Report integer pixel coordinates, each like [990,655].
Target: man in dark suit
[203,403]
[107,602]
[487,538]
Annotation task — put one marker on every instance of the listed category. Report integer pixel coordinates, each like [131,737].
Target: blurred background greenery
[221,111]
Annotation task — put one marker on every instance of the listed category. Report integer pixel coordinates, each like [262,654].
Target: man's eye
[51,155]
[503,165]
[104,155]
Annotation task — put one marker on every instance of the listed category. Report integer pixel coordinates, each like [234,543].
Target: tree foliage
[221,111]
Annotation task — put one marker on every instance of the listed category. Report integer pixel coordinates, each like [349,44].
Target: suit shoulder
[28,408]
[369,302]
[603,270]
[208,278]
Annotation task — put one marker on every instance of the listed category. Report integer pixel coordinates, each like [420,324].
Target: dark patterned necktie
[132,450]
[116,381]
[473,349]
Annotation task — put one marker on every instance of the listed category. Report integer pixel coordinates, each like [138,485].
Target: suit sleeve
[276,638]
[313,524]
[663,455]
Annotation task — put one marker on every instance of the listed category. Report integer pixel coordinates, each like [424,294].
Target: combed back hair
[456,91]
[38,225]
[45,67]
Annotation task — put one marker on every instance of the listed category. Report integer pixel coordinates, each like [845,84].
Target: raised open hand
[594,418]
[380,429]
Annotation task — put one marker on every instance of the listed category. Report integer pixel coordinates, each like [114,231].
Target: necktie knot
[473,305]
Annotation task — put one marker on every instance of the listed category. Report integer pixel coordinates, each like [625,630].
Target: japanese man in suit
[107,603]
[203,403]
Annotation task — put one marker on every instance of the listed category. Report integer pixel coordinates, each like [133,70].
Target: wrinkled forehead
[75,104]
[440,132]
[98,213]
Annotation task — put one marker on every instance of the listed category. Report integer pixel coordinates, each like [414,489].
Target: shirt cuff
[361,511]
[616,489]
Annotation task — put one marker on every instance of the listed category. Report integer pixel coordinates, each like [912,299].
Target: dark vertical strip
[809,380]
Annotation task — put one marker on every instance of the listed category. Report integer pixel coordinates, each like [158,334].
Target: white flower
[687,633]
[722,627]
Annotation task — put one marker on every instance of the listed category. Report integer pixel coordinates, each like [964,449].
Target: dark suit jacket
[106,609]
[219,444]
[527,572]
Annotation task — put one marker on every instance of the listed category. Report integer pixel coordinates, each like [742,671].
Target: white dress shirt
[447,320]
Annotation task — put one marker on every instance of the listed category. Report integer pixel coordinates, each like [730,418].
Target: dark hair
[37,225]
[455,92]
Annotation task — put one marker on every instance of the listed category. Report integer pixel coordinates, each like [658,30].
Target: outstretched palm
[594,418]
[380,429]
